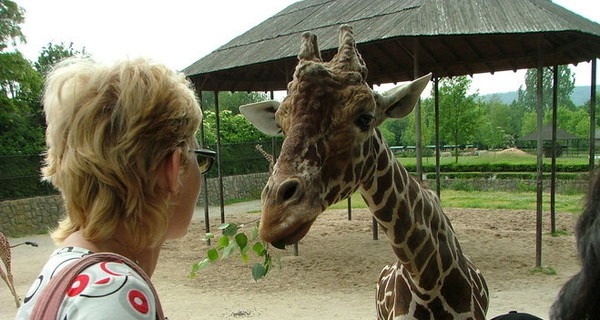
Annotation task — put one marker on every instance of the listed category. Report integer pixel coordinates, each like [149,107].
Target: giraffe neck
[410,215]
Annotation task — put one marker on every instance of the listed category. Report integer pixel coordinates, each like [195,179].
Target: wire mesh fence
[20,175]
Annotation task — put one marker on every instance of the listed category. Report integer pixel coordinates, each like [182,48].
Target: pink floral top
[106,290]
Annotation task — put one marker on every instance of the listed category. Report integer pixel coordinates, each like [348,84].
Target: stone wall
[30,216]
[235,187]
[40,214]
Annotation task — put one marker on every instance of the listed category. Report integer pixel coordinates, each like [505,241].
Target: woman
[122,151]
[578,298]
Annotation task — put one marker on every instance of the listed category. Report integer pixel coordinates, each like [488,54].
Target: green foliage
[388,135]
[234,128]
[11,16]
[231,100]
[461,115]
[53,53]
[500,124]
[21,121]
[498,162]
[234,240]
[566,84]
[496,167]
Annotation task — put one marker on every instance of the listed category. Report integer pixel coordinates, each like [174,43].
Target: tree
[20,89]
[459,113]
[234,128]
[231,100]
[405,128]
[500,123]
[589,102]
[566,84]
[20,112]
[11,16]
[53,53]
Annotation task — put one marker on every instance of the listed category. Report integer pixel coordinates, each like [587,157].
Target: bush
[498,167]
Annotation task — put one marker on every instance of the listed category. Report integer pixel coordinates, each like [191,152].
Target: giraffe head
[329,119]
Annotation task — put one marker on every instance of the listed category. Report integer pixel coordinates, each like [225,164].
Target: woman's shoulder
[105,289]
[112,288]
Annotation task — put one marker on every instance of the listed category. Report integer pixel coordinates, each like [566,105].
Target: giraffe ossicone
[332,148]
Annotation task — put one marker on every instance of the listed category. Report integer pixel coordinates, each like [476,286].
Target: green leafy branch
[234,240]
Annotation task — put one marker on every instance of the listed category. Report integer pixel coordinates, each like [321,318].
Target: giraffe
[5,255]
[333,148]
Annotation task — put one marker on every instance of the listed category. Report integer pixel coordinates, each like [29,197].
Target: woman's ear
[169,172]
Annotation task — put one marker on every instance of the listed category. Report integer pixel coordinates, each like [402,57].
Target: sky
[179,32]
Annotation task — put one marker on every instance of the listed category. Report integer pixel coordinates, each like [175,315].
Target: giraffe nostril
[289,190]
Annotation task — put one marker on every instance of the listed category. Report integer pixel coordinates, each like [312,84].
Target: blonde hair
[109,127]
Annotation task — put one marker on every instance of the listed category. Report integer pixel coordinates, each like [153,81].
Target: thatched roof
[547,135]
[450,38]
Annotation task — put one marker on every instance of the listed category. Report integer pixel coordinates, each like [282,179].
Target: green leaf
[209,236]
[224,226]
[223,242]
[259,248]
[228,250]
[254,234]
[213,254]
[268,263]
[258,271]
[203,264]
[241,240]
[245,257]
[229,229]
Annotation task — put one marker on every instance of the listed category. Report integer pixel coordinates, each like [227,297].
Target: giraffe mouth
[296,235]
[285,235]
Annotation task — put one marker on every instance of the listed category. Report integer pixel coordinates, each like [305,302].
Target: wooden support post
[438,187]
[219,157]
[540,157]
[593,118]
[554,151]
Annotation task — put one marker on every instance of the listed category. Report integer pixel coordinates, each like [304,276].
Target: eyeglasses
[205,158]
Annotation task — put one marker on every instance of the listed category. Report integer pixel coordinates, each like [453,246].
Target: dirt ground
[334,276]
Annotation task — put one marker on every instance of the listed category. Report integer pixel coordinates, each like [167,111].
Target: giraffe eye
[364,121]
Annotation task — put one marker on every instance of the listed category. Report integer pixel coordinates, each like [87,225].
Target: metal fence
[20,177]
[20,174]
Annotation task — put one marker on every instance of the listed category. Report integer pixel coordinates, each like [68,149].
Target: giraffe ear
[262,115]
[399,101]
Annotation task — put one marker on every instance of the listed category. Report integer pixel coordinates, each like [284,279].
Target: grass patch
[494,157]
[357,203]
[547,270]
[233,201]
[559,233]
[509,200]
[571,203]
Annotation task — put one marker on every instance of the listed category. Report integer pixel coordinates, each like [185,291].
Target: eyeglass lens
[204,162]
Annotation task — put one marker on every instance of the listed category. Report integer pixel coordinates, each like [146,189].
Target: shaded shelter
[564,138]
[403,39]
[450,37]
